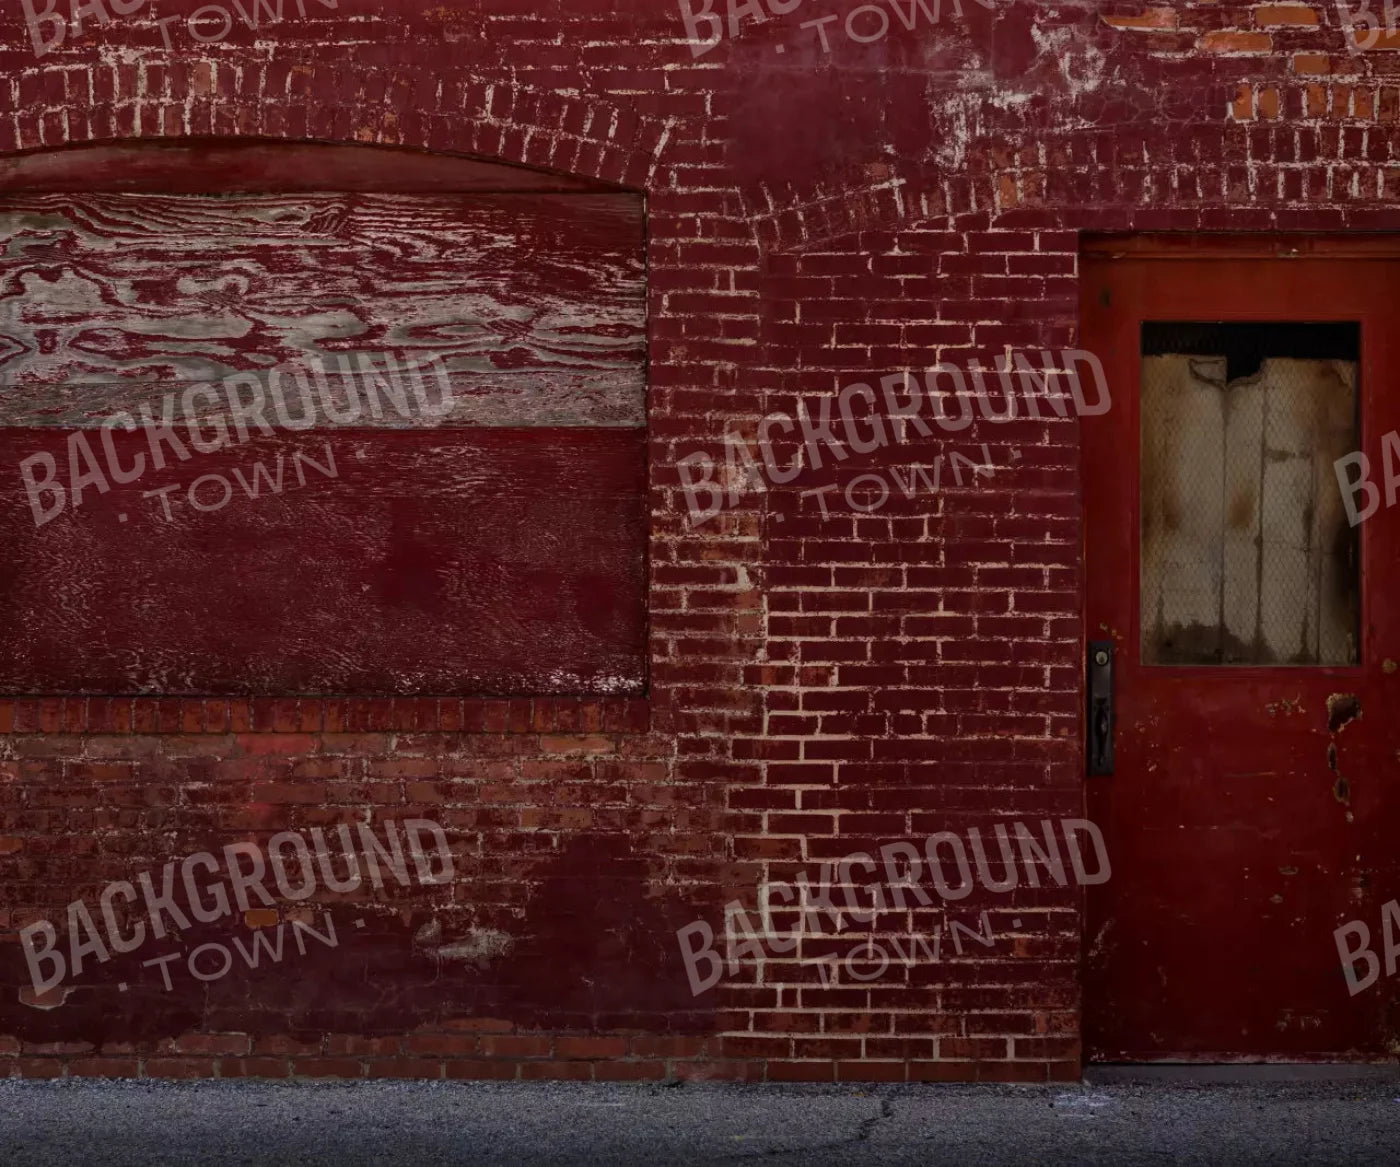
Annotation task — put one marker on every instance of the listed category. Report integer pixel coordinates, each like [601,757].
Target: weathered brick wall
[819,685]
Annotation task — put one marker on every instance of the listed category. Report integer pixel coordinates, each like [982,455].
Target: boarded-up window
[495,545]
[1247,557]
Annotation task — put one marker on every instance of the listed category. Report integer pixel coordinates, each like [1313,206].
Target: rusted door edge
[1261,245]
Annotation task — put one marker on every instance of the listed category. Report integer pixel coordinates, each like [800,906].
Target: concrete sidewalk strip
[1337,1121]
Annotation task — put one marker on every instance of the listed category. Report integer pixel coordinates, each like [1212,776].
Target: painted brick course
[818,685]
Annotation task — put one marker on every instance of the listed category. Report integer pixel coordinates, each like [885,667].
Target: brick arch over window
[245,166]
[579,136]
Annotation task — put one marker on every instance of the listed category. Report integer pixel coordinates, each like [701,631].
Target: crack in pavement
[864,1129]
[868,1125]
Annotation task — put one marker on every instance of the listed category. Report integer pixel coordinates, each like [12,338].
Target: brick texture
[819,685]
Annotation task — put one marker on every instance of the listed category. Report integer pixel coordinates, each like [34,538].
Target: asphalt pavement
[84,1121]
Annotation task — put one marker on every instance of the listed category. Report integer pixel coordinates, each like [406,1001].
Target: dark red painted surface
[1249,814]
[199,166]
[417,562]
[397,974]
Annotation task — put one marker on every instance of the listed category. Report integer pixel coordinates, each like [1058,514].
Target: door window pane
[1247,556]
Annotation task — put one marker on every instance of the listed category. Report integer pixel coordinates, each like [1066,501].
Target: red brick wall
[818,686]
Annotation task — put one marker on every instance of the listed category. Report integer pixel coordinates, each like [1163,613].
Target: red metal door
[1251,809]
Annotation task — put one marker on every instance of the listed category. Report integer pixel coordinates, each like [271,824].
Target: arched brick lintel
[575,135]
[190,165]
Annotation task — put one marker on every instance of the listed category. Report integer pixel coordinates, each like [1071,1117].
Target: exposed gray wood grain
[536,307]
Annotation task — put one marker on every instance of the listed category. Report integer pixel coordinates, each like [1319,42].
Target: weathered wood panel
[496,546]
[451,562]
[104,299]
[339,397]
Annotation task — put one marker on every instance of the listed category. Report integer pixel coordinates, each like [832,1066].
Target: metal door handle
[1099,736]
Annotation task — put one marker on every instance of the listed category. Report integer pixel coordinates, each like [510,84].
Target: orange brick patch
[1242,108]
[1274,15]
[1152,19]
[1228,40]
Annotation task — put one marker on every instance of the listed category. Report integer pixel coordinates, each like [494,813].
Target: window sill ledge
[217,715]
